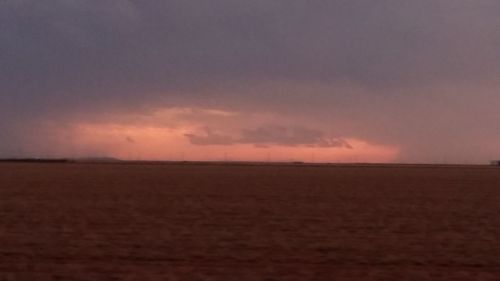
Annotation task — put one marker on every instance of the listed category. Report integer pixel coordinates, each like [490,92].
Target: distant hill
[61,160]
[35,160]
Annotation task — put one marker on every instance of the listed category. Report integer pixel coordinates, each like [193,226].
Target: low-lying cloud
[210,138]
[271,135]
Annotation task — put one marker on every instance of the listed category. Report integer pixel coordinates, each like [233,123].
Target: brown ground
[216,222]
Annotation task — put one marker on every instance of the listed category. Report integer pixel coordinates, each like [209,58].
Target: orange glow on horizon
[157,143]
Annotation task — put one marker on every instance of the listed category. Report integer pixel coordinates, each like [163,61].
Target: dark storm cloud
[270,135]
[64,58]
[80,50]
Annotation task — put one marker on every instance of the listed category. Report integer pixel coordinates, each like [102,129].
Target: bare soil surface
[73,221]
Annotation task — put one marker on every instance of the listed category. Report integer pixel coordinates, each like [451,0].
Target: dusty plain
[88,221]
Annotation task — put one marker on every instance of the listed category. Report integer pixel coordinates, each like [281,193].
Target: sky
[414,81]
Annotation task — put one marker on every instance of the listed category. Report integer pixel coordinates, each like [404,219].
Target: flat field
[145,222]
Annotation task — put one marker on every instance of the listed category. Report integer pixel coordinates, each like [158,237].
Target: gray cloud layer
[269,136]
[418,74]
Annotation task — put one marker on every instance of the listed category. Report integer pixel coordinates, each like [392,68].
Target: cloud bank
[270,135]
